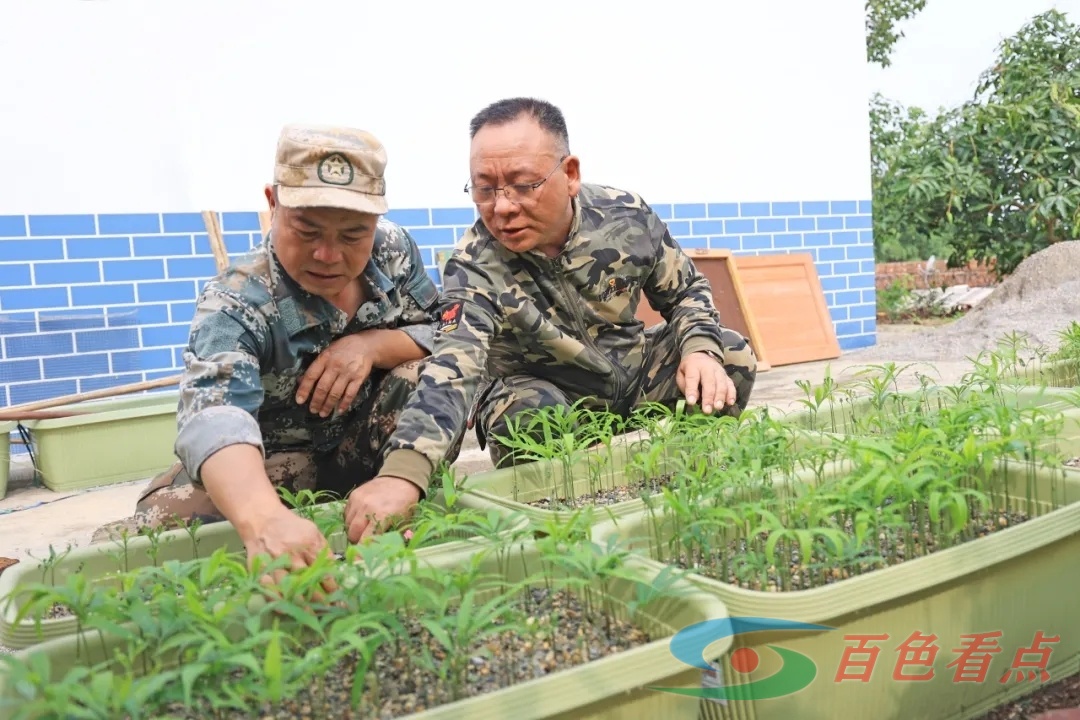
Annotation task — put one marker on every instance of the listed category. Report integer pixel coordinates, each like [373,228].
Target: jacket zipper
[560,277]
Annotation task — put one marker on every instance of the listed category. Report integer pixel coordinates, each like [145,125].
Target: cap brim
[295,197]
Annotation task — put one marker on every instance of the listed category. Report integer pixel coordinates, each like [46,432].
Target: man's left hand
[336,376]
[700,375]
[377,500]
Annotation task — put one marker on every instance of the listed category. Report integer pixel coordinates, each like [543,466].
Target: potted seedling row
[537,628]
[943,526]
[575,459]
[29,613]
[1018,359]
[578,457]
[876,406]
[570,458]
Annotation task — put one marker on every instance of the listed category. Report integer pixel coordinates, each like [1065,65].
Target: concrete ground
[33,518]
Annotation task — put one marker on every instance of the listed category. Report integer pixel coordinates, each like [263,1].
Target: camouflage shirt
[568,319]
[255,333]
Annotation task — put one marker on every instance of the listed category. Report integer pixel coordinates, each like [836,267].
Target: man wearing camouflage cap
[541,296]
[301,356]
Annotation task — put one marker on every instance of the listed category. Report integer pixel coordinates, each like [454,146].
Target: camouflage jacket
[568,319]
[256,332]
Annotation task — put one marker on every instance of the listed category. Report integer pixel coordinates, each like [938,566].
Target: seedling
[203,638]
[904,475]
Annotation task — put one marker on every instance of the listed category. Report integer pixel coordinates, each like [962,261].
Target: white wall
[174,105]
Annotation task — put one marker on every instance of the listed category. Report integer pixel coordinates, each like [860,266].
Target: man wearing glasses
[541,296]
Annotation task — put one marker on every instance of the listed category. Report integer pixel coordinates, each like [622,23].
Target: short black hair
[547,115]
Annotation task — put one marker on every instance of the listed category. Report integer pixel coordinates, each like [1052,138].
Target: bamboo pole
[18,412]
[217,244]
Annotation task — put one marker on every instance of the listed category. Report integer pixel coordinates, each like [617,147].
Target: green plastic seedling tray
[6,429]
[99,562]
[1015,581]
[1056,373]
[115,441]
[510,490]
[833,418]
[836,415]
[616,687]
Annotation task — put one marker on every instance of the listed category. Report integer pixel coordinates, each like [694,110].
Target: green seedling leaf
[273,671]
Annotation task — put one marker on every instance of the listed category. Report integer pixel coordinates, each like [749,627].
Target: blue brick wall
[89,301]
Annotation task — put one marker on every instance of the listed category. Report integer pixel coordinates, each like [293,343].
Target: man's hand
[337,375]
[235,478]
[283,532]
[700,375]
[377,500]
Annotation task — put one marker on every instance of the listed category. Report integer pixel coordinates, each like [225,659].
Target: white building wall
[744,123]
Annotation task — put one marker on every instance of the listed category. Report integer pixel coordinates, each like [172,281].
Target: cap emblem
[335,169]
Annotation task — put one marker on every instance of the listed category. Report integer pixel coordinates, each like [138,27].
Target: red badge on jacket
[450,318]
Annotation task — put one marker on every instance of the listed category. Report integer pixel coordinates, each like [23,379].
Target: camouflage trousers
[505,397]
[172,499]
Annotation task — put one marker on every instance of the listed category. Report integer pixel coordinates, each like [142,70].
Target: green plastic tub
[839,417]
[100,562]
[6,428]
[1056,373]
[512,489]
[118,440]
[620,686]
[1013,581]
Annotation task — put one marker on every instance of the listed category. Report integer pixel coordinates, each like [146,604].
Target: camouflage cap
[324,166]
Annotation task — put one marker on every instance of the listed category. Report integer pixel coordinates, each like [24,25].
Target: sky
[949,43]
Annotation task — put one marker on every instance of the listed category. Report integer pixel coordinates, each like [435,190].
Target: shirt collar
[302,310]
[575,224]
[573,237]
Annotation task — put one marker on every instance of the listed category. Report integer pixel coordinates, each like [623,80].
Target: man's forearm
[235,478]
[390,348]
[436,415]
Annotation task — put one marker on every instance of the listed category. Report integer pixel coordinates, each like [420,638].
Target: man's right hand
[235,477]
[284,533]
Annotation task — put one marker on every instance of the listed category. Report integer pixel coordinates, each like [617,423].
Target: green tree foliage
[997,178]
[907,201]
[882,17]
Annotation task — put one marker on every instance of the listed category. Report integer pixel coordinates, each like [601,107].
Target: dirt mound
[1040,299]
[1037,274]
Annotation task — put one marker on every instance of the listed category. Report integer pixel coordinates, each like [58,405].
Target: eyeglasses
[516,193]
